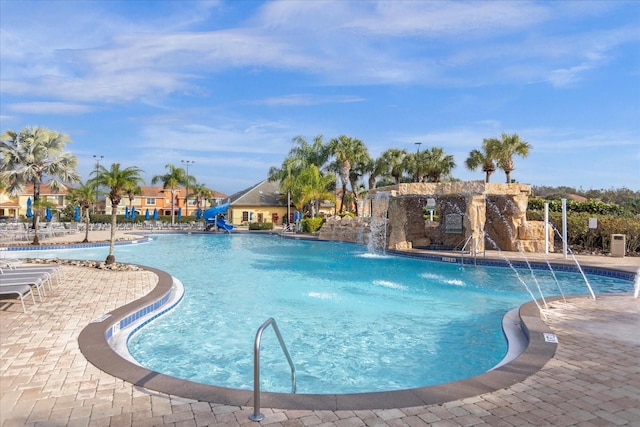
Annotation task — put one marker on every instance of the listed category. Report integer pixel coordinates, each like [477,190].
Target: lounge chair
[20,290]
[8,279]
[51,270]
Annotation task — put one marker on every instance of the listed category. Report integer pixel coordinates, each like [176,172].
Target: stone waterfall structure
[471,215]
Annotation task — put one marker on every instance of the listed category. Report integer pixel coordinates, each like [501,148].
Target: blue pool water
[353,321]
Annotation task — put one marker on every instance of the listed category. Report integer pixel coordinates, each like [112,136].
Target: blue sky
[228,84]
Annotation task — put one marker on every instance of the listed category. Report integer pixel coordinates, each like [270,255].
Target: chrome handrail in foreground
[257,416]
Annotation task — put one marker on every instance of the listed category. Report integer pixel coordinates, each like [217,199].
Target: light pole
[98,159]
[418,161]
[186,198]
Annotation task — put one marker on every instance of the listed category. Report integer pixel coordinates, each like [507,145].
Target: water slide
[211,216]
[221,223]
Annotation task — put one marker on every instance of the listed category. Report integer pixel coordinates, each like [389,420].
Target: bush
[311,225]
[260,226]
[580,236]
[592,207]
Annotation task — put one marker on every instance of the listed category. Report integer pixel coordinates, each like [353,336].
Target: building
[264,202]
[159,199]
[15,208]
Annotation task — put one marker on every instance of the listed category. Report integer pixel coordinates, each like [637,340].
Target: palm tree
[200,192]
[117,180]
[84,195]
[132,191]
[300,157]
[35,156]
[375,168]
[171,181]
[482,159]
[393,158]
[504,149]
[347,151]
[436,163]
[311,188]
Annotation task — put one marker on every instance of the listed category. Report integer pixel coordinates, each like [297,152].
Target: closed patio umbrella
[48,216]
[146,214]
[126,212]
[133,213]
[155,214]
[29,210]
[76,216]
[179,213]
[198,213]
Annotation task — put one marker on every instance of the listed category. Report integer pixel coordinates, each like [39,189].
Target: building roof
[265,193]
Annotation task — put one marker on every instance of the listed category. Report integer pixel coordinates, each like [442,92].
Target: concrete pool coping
[95,347]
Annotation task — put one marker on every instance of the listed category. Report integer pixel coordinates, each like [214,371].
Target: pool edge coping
[96,349]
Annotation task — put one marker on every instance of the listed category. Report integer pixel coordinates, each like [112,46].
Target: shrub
[260,226]
[311,225]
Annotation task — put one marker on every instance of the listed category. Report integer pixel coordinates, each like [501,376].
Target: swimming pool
[353,321]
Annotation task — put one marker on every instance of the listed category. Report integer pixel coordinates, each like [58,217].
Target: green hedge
[260,226]
[592,207]
[580,236]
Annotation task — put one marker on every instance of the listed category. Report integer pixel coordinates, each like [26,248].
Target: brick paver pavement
[594,379]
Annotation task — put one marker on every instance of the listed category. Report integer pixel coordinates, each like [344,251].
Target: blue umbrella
[179,213]
[155,214]
[133,213]
[48,215]
[76,216]
[198,213]
[126,212]
[146,214]
[29,211]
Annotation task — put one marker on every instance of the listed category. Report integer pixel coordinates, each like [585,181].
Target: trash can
[618,245]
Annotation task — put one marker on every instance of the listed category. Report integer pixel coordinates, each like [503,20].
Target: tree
[347,151]
[171,181]
[84,196]
[394,159]
[200,192]
[311,188]
[132,191]
[436,163]
[504,149]
[482,159]
[117,180]
[300,157]
[35,156]
[375,168]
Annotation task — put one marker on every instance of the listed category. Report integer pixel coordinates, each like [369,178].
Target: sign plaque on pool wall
[453,224]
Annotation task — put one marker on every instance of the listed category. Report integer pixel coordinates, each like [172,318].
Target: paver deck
[593,380]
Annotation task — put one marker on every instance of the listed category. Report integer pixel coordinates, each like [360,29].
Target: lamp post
[98,159]
[186,198]
[418,161]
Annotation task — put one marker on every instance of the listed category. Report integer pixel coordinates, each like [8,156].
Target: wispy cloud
[48,108]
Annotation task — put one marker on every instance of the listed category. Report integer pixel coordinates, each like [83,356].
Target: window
[151,201]
[245,216]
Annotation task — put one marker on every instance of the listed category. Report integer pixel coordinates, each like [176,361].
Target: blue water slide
[210,214]
[221,223]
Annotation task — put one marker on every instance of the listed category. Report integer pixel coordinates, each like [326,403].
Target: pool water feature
[353,321]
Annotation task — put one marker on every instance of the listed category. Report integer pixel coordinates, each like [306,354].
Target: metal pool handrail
[257,416]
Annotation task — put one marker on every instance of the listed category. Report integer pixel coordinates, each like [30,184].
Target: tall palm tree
[436,163]
[482,159]
[85,196]
[117,180]
[35,156]
[311,188]
[393,158]
[175,178]
[505,148]
[347,152]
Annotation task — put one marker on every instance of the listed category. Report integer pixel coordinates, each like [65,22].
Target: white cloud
[49,108]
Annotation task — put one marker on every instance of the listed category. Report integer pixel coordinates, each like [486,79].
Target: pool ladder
[257,416]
